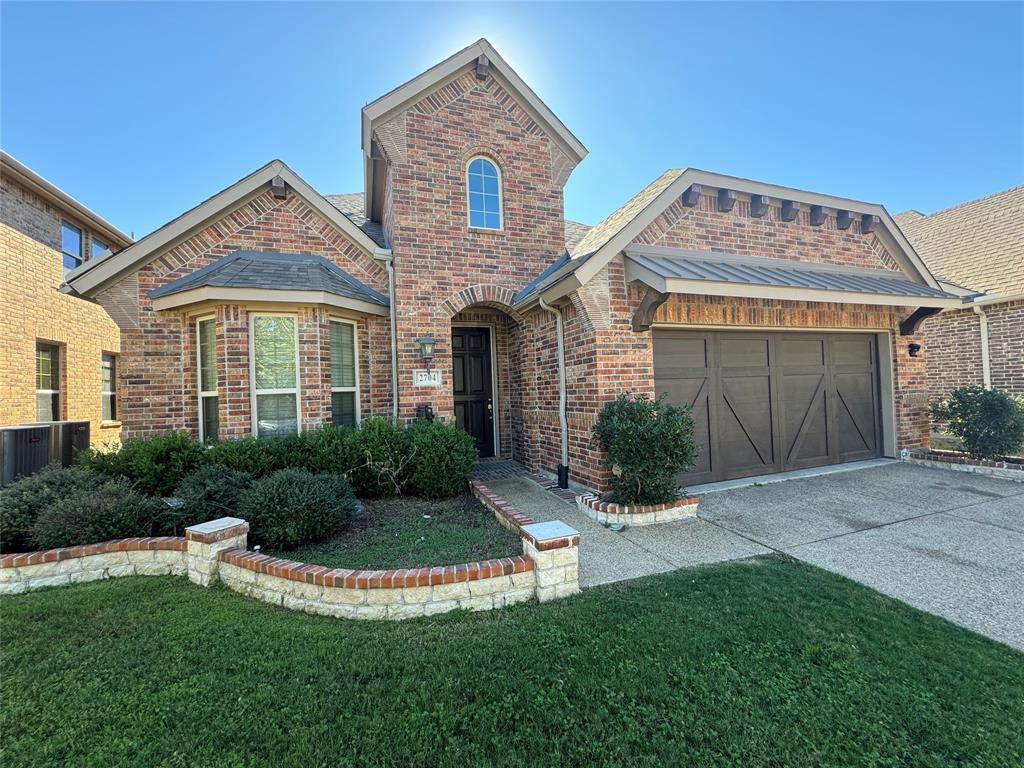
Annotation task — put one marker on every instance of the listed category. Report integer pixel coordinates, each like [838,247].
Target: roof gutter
[986,368]
[385,255]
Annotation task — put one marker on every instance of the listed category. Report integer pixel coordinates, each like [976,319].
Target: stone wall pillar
[554,548]
[206,540]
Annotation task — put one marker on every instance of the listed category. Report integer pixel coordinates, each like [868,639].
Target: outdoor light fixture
[427,349]
[913,349]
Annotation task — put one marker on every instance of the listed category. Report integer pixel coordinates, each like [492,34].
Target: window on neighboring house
[98,247]
[108,386]
[206,362]
[483,183]
[71,246]
[274,372]
[344,374]
[47,382]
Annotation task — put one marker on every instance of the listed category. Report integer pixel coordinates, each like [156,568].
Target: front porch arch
[483,294]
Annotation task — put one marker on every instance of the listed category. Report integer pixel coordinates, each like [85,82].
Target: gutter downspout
[563,468]
[384,254]
[986,371]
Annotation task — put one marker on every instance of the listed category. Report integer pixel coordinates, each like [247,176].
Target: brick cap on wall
[172,543]
[217,530]
[553,534]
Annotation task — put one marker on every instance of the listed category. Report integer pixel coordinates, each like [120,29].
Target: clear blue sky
[143,110]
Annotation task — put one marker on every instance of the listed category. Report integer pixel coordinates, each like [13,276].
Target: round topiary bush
[294,506]
[990,422]
[23,501]
[110,510]
[647,443]
[442,458]
[208,493]
[382,456]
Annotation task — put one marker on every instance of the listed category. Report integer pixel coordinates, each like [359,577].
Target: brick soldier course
[414,216]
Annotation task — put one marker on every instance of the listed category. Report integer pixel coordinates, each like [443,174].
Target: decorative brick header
[165,543]
[636,514]
[393,579]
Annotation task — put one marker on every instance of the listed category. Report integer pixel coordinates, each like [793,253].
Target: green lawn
[762,663]
[409,532]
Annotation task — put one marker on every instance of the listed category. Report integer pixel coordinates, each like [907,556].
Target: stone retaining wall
[158,556]
[1003,470]
[216,551]
[606,512]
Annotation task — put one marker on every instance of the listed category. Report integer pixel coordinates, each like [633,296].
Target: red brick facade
[448,273]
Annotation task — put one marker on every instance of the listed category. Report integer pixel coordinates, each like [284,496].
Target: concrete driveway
[950,543]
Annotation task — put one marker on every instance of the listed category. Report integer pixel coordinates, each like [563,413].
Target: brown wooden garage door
[771,402]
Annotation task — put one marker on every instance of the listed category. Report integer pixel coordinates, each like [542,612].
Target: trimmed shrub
[646,444]
[382,454]
[332,449]
[260,456]
[990,422]
[294,506]
[23,501]
[442,458]
[206,494]
[110,510]
[155,465]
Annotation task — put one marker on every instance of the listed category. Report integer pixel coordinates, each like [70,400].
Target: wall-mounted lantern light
[427,349]
[913,349]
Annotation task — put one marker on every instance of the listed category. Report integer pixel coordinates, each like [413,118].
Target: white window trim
[252,372]
[355,361]
[112,394]
[501,196]
[35,377]
[199,374]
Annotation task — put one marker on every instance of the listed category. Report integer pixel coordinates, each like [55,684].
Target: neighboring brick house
[58,359]
[786,318]
[978,247]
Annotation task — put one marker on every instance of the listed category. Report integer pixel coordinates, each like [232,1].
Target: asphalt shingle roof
[275,271]
[979,244]
[352,207]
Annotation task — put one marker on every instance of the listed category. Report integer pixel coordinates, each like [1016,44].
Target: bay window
[344,374]
[273,362]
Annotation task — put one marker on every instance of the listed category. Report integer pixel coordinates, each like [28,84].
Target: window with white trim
[47,382]
[206,365]
[344,374]
[483,187]
[274,367]
[108,386]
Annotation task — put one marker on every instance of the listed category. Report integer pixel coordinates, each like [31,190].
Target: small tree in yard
[990,422]
[646,443]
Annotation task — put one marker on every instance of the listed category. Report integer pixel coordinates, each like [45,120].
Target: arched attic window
[483,187]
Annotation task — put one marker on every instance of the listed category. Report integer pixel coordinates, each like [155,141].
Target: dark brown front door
[472,386]
[771,402]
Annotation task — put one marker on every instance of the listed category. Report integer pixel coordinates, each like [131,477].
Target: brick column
[206,540]
[554,548]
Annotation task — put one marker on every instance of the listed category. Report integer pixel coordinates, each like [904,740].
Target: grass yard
[409,532]
[760,663]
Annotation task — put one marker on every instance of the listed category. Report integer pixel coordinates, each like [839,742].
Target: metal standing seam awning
[677,270]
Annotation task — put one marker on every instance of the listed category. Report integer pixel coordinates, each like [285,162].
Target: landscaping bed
[761,663]
[411,533]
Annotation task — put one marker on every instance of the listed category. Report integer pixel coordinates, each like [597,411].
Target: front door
[472,385]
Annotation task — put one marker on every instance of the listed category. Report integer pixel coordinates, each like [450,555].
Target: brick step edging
[606,512]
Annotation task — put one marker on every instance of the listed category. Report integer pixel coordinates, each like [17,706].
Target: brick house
[59,356]
[785,318]
[978,248]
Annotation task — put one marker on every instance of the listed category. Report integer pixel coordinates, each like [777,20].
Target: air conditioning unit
[24,450]
[27,448]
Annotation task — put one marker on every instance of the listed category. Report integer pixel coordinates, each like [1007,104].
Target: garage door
[771,402]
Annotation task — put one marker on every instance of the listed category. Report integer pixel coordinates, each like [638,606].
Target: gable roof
[95,273]
[979,244]
[617,231]
[352,205]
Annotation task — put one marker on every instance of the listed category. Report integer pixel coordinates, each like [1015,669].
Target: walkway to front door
[946,542]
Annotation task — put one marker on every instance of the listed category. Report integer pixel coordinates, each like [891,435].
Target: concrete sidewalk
[606,556]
